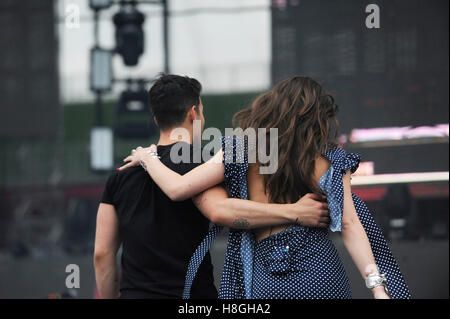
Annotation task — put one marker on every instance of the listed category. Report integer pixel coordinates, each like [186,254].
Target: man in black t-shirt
[158,236]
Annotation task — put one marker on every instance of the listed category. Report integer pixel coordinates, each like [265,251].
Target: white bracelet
[153,154]
[375,280]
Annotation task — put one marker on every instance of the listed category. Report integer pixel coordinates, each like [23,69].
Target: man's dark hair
[170,98]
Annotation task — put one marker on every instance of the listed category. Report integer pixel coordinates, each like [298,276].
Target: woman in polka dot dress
[291,261]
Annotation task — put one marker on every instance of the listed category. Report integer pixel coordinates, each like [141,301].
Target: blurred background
[74,75]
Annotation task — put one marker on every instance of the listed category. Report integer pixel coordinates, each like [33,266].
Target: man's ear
[192,113]
[156,122]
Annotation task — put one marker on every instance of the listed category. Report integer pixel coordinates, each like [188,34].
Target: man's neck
[164,138]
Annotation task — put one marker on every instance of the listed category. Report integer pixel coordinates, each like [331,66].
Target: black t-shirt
[158,235]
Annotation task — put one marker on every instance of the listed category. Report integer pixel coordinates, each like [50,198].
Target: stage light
[100,4]
[101,148]
[129,34]
[101,70]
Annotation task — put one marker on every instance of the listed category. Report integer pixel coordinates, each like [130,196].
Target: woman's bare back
[255,183]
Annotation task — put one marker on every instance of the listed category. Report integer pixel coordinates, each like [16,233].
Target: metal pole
[96,27]
[98,109]
[166,35]
[98,95]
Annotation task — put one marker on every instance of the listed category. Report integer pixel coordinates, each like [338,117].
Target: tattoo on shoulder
[241,223]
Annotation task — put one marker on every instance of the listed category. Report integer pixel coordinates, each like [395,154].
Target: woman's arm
[179,187]
[356,241]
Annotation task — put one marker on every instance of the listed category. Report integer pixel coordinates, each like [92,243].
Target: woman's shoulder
[321,166]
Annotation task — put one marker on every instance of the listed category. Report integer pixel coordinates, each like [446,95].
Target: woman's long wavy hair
[305,116]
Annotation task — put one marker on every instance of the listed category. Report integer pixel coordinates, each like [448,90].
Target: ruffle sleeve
[235,162]
[331,182]
[342,160]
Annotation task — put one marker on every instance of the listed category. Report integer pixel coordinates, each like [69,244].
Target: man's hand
[311,211]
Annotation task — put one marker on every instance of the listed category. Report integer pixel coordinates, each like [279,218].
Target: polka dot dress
[300,262]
